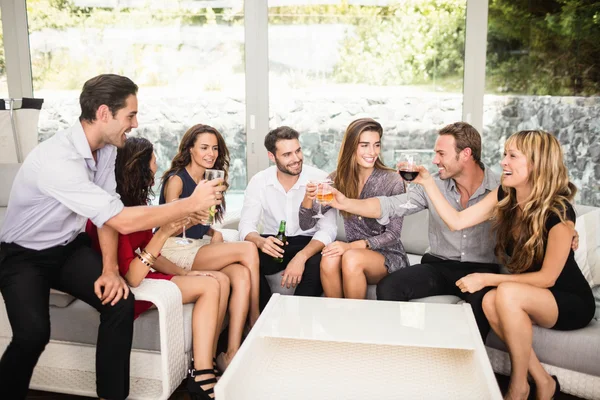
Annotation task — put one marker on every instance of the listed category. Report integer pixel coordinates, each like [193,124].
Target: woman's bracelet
[145,260]
[149,255]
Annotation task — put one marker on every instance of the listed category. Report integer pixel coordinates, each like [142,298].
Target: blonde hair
[551,192]
[346,175]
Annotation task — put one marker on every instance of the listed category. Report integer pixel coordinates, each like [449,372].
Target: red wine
[409,175]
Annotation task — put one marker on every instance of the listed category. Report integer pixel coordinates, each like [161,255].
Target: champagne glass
[209,175]
[324,196]
[183,240]
[408,171]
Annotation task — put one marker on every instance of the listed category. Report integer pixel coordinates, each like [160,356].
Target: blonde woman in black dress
[532,212]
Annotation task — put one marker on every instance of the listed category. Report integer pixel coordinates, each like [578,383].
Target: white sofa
[162,338]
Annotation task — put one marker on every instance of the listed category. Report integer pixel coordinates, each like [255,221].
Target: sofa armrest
[166,296]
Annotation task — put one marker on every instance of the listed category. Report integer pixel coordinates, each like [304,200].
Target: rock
[409,122]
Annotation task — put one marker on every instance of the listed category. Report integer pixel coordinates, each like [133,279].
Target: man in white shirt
[63,182]
[276,194]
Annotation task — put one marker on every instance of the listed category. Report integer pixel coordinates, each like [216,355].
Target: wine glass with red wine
[408,171]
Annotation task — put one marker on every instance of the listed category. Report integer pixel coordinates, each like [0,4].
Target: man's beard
[285,170]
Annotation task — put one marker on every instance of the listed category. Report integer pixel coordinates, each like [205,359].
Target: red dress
[128,244]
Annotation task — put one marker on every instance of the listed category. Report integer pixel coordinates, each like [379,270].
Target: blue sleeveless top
[196,231]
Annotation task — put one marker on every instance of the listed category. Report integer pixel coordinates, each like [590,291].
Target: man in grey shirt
[63,182]
[464,181]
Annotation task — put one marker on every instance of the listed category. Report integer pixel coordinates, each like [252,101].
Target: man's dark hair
[277,134]
[465,135]
[109,89]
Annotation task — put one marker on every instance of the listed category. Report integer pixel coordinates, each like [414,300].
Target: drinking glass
[324,196]
[408,171]
[183,240]
[209,175]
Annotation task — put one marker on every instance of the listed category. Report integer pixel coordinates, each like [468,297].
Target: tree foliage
[544,46]
[534,46]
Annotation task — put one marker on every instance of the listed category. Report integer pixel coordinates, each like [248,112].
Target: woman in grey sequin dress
[372,250]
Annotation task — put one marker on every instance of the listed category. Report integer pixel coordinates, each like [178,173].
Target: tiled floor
[180,394]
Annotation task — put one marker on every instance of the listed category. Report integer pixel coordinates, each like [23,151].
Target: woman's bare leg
[225,285]
[204,291]
[361,267]
[331,276]
[517,305]
[217,256]
[238,306]
[545,385]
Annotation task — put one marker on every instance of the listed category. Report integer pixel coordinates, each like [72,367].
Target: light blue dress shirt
[58,188]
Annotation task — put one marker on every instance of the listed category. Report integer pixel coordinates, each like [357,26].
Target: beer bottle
[281,236]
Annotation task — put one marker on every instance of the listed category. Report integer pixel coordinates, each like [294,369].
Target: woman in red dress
[139,257]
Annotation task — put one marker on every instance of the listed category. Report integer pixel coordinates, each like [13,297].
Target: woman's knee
[248,253]
[241,280]
[489,306]
[351,264]
[330,266]
[509,294]
[213,287]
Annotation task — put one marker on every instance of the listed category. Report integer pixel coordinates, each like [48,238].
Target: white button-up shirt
[58,188]
[266,197]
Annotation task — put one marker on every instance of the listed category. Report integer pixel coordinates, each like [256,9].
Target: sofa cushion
[2,214]
[79,323]
[415,233]
[577,350]
[7,175]
[60,299]
[588,253]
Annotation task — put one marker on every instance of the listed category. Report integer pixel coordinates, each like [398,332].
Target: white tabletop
[370,322]
[331,349]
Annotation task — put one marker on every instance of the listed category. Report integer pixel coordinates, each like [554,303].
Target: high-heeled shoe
[557,389]
[194,387]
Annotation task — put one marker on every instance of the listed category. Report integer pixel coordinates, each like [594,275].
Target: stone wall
[408,121]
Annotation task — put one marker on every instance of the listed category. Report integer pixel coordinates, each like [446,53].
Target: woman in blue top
[202,147]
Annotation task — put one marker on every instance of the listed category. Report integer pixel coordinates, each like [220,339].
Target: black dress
[573,295]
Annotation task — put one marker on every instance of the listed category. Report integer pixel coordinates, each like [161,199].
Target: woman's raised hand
[174,228]
[311,191]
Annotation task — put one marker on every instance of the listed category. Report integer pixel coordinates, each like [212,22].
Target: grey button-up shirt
[475,244]
[58,188]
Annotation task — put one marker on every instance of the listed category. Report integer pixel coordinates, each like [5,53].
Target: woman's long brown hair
[346,175]
[551,192]
[183,158]
[132,172]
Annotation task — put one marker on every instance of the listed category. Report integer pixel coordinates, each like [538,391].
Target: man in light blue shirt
[63,182]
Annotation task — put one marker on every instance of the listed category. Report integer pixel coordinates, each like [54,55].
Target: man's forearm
[255,238]
[141,218]
[312,248]
[369,208]
[109,243]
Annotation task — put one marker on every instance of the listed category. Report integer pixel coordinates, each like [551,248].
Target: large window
[187,60]
[3,84]
[543,73]
[401,64]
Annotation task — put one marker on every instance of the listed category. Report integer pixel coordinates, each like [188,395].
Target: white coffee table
[319,348]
